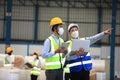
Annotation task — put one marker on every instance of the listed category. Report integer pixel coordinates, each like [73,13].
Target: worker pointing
[80,62]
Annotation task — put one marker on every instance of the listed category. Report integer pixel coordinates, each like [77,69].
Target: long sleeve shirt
[92,39]
[46,51]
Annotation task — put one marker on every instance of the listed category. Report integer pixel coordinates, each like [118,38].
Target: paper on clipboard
[77,44]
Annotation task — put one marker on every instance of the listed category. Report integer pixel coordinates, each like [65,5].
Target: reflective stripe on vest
[35,62]
[8,65]
[82,61]
[54,61]
[67,69]
[5,62]
[35,71]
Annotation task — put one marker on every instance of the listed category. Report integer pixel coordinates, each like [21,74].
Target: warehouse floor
[117,78]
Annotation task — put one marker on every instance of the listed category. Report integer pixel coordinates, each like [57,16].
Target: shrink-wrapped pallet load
[92,75]
[19,61]
[9,74]
[100,76]
[24,75]
[98,70]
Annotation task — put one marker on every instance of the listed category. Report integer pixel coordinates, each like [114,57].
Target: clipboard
[65,45]
[77,44]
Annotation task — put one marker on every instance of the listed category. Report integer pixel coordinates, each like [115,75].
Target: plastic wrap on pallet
[98,65]
[42,75]
[100,76]
[9,74]
[24,75]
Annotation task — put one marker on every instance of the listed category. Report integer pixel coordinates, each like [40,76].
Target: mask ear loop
[55,28]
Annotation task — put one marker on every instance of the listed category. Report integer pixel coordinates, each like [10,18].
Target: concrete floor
[117,78]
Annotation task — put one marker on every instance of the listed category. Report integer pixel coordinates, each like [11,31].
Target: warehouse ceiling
[65,3]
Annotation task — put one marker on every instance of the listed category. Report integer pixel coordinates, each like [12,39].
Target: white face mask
[34,56]
[60,31]
[75,34]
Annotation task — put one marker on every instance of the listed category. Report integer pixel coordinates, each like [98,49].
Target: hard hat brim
[57,23]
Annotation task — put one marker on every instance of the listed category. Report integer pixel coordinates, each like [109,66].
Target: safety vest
[35,63]
[54,62]
[7,62]
[67,69]
[35,71]
[78,63]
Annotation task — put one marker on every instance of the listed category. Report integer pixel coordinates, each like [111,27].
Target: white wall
[95,52]
[23,49]
[35,48]
[19,49]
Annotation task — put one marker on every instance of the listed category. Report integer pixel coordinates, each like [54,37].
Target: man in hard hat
[52,51]
[80,62]
[9,59]
[35,71]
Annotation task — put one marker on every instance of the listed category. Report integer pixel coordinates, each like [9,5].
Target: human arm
[39,64]
[46,51]
[99,36]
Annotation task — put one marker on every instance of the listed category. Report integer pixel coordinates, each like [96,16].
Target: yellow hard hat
[56,20]
[36,53]
[9,49]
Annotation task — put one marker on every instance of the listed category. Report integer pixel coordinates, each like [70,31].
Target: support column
[112,49]
[8,21]
[99,21]
[68,16]
[36,23]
